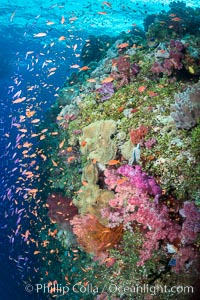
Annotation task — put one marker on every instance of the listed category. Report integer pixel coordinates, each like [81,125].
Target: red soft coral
[136,135]
[61,210]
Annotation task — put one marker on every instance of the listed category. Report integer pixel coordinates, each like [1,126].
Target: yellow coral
[96,142]
[92,199]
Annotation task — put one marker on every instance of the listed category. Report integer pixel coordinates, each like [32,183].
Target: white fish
[40,34]
[16,95]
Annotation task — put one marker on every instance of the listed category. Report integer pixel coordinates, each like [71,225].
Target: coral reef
[191,225]
[90,173]
[136,135]
[123,70]
[120,156]
[169,58]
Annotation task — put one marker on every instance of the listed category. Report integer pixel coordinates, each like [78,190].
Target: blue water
[26,60]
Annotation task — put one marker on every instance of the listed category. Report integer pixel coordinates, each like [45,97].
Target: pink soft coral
[132,206]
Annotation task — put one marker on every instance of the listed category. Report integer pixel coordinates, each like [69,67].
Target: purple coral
[134,69]
[191,225]
[123,70]
[176,45]
[157,68]
[107,90]
[187,255]
[173,62]
[150,143]
[141,180]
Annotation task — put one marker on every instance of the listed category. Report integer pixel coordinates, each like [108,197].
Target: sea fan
[93,237]
[186,110]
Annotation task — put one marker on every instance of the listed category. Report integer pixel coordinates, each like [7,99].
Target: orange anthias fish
[61,144]
[123,45]
[83,143]
[142,88]
[71,159]
[101,13]
[35,121]
[91,80]
[54,163]
[121,109]
[49,23]
[107,80]
[69,149]
[113,162]
[73,19]
[85,183]
[74,66]
[152,94]
[176,19]
[40,34]
[62,20]
[121,180]
[29,113]
[18,100]
[62,38]
[85,68]
[106,3]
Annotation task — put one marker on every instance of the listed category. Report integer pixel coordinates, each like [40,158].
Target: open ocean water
[41,46]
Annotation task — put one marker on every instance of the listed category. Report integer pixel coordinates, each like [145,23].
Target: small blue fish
[172,262]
